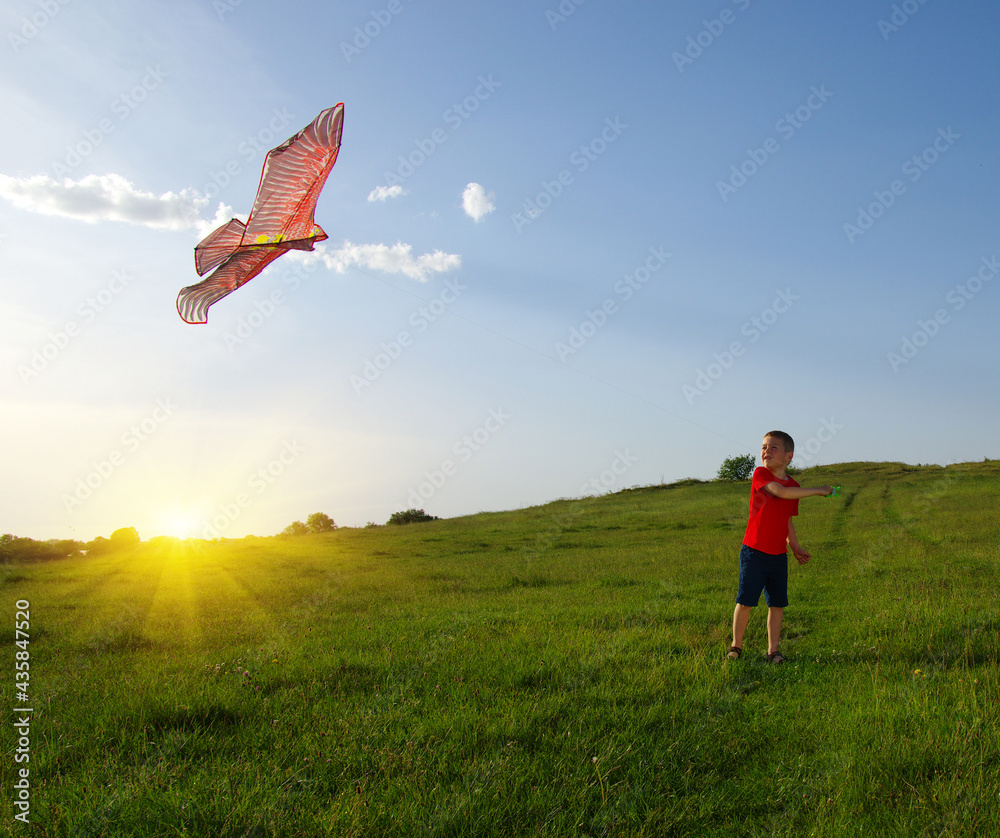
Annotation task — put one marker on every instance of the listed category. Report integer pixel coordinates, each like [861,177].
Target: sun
[179,524]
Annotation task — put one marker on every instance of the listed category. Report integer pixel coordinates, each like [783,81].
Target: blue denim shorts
[763,572]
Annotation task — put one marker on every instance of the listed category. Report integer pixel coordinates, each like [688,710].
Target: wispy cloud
[113,198]
[103,198]
[380,193]
[477,202]
[379,257]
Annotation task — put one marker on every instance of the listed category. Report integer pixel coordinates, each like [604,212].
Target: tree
[97,546]
[410,516]
[125,537]
[737,468]
[296,528]
[320,522]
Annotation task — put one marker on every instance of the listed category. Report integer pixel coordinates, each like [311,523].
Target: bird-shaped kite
[281,218]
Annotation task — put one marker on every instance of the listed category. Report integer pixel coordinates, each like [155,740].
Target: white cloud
[380,193]
[222,214]
[103,198]
[476,202]
[113,198]
[391,260]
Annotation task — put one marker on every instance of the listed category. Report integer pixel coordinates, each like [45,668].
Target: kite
[281,218]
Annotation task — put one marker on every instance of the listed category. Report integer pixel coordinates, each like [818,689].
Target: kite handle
[833,494]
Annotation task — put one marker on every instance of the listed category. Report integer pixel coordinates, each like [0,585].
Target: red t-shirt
[767,529]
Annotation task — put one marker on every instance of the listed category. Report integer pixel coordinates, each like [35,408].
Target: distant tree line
[320,522]
[19,549]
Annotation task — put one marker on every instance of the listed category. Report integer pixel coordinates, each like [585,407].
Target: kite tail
[193,301]
[242,266]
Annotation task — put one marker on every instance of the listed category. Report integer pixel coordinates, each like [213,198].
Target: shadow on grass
[354,678]
[214,718]
[124,641]
[535,580]
[8,637]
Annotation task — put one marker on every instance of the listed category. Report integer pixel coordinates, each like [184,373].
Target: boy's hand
[801,555]
[827,491]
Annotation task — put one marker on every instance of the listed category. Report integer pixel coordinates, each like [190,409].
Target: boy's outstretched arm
[801,556]
[796,492]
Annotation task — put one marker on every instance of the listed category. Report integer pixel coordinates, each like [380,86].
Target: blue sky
[614,245]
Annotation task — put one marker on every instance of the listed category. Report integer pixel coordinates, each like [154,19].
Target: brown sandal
[734,653]
[775,657]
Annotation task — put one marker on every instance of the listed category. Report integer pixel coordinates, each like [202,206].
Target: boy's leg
[774,618]
[776,594]
[752,581]
[741,616]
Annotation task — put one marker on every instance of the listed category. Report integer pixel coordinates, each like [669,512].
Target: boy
[774,499]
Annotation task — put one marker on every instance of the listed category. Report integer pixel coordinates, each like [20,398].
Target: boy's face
[773,454]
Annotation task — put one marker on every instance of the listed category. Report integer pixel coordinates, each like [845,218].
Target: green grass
[557,670]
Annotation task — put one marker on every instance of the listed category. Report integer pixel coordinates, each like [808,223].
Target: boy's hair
[786,439]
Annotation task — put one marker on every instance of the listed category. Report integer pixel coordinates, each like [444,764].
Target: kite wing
[294,174]
[218,246]
[281,219]
[237,270]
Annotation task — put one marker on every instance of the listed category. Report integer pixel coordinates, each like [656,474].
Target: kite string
[550,358]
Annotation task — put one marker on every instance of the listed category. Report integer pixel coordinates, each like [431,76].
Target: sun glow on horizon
[180,523]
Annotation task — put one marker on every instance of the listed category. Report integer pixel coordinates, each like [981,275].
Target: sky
[574,247]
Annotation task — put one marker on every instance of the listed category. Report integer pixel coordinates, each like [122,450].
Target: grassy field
[558,670]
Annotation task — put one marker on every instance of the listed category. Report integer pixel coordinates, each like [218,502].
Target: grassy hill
[557,670]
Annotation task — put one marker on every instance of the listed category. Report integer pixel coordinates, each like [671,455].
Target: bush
[737,468]
[410,516]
